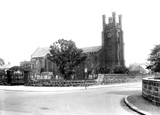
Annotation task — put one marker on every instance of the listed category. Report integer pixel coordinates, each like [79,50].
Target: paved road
[100,101]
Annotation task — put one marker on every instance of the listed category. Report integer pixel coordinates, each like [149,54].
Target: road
[100,101]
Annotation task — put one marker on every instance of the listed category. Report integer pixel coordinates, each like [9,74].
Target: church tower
[112,42]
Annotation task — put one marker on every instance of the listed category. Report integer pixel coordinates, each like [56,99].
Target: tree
[1,62]
[91,62]
[16,68]
[2,72]
[66,56]
[154,59]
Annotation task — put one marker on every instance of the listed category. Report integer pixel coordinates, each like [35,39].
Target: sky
[26,25]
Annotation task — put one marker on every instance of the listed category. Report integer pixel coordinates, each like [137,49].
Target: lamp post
[85,71]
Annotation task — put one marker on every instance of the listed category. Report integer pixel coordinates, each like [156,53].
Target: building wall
[25,63]
[43,65]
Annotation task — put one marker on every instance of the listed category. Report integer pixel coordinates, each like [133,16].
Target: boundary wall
[120,78]
[151,90]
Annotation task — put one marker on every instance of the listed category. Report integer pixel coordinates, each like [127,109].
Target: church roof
[42,52]
[91,49]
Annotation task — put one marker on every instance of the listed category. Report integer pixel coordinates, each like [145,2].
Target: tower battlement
[112,21]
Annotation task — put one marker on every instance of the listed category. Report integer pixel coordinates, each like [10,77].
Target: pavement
[135,102]
[56,89]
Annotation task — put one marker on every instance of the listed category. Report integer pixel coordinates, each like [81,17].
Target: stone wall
[119,78]
[151,90]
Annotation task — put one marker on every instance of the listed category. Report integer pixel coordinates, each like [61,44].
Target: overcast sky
[26,25]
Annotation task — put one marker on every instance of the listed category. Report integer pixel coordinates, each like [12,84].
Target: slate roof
[138,67]
[91,49]
[134,67]
[42,52]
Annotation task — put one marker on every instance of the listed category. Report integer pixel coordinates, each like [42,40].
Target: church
[110,53]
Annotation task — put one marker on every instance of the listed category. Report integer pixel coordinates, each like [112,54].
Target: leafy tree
[16,68]
[20,68]
[91,63]
[66,56]
[154,59]
[1,62]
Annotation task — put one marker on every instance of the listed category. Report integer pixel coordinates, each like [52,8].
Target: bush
[105,70]
[120,70]
[116,70]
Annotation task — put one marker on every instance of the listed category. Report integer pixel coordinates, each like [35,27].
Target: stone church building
[110,53]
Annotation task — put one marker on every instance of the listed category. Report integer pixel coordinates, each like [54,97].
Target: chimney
[114,18]
[120,21]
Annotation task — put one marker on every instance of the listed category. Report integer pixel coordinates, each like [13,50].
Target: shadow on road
[126,108]
[124,92]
